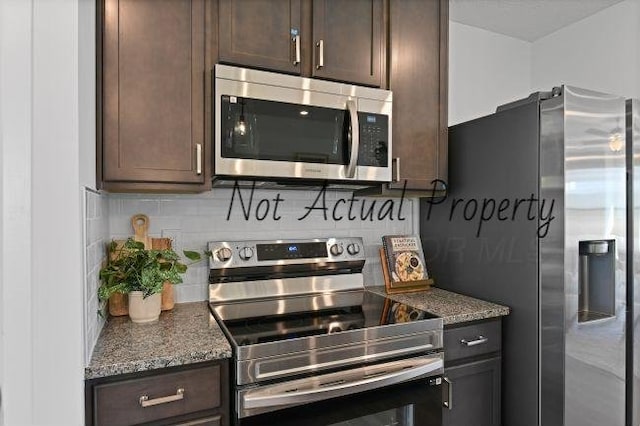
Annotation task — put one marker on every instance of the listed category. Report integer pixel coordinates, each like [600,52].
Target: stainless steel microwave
[277,127]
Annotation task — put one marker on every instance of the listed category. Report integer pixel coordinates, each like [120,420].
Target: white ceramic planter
[143,310]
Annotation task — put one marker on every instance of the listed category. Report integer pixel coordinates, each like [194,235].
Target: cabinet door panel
[351,32]
[258,33]
[475,394]
[153,90]
[418,79]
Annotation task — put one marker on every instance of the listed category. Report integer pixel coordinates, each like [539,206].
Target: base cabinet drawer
[472,394]
[156,398]
[472,340]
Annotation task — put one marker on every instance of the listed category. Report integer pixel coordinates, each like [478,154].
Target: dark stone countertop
[453,308]
[185,335]
[189,334]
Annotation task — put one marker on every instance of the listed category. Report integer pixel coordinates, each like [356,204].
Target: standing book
[403,264]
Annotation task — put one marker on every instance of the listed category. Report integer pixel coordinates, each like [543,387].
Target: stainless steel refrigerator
[633,276]
[535,219]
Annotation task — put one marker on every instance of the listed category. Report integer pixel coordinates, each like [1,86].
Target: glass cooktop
[262,321]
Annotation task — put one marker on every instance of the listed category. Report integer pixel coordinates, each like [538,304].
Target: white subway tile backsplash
[96,218]
[131,206]
[191,220]
[190,292]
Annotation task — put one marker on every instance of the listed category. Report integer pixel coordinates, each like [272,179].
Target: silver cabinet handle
[146,402]
[355,138]
[320,46]
[477,341]
[199,158]
[396,161]
[296,46]
[448,402]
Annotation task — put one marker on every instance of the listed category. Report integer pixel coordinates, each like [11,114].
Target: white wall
[41,214]
[15,117]
[485,70]
[600,52]
[56,267]
[87,91]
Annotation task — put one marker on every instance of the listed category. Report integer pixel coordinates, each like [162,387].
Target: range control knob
[336,249]
[246,253]
[353,249]
[223,254]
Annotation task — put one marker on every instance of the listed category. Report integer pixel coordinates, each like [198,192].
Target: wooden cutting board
[118,303]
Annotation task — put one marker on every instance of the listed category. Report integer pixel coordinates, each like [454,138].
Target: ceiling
[524,19]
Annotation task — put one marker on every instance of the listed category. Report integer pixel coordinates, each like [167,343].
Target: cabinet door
[153,91]
[260,33]
[474,394]
[209,421]
[418,79]
[348,40]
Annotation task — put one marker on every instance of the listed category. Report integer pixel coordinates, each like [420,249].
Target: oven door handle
[354,137]
[337,387]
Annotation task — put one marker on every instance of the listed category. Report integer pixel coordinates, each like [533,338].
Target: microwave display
[279,131]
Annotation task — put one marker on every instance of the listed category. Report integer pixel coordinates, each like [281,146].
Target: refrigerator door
[594,258]
[633,350]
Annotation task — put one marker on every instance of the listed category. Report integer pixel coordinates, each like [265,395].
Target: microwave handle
[354,138]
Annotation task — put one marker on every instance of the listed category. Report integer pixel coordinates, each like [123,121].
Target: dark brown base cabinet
[179,396]
[472,375]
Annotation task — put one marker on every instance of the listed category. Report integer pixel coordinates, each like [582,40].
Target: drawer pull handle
[477,341]
[146,402]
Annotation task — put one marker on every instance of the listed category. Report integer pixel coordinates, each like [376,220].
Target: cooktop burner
[271,320]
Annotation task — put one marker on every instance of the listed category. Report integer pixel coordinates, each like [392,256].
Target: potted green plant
[141,274]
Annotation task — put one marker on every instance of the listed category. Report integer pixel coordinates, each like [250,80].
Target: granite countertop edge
[138,366]
[191,324]
[453,308]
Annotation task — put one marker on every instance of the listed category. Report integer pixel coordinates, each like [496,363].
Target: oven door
[267,131]
[402,393]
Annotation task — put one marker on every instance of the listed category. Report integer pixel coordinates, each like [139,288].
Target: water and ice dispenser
[597,289]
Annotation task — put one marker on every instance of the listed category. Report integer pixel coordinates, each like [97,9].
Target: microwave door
[276,139]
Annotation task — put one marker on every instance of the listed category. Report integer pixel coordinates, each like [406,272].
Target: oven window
[398,416]
[279,131]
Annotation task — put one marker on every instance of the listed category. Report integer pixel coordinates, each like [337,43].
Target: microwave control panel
[374,140]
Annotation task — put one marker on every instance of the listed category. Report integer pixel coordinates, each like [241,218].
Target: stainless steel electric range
[309,342]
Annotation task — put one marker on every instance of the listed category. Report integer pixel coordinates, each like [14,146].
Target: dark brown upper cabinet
[261,33]
[418,78]
[153,79]
[342,40]
[348,40]
[417,75]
